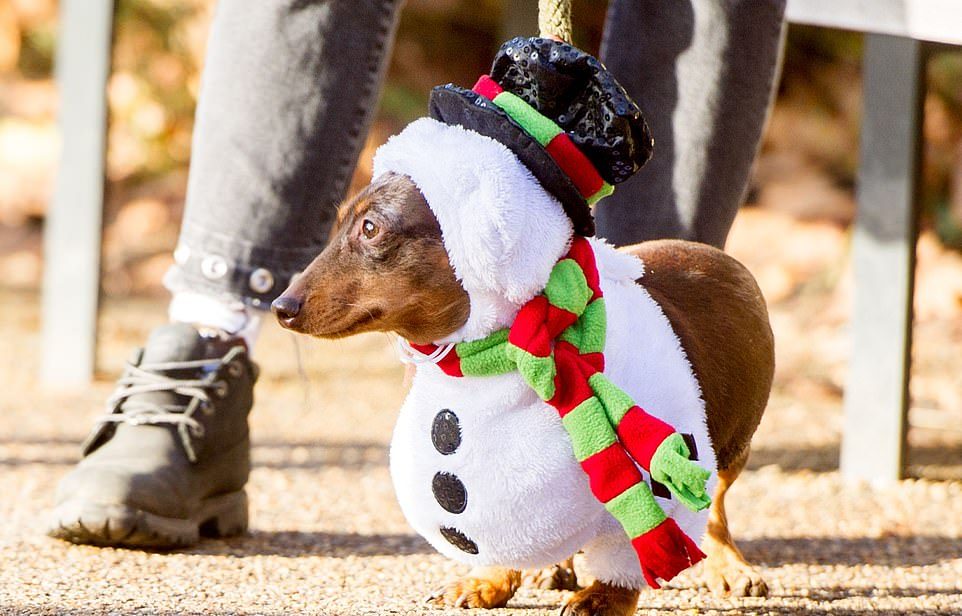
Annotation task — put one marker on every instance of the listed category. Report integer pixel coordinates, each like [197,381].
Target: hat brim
[453,105]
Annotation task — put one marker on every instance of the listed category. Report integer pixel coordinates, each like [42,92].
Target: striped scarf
[557,344]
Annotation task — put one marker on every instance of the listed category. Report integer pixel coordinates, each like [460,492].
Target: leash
[554,19]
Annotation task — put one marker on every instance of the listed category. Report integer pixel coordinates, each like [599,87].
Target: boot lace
[153,377]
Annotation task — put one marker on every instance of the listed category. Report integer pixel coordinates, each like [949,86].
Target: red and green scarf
[557,344]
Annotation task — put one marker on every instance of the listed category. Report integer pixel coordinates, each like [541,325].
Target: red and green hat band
[552,138]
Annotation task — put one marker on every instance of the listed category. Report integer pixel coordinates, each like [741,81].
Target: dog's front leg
[613,562]
[486,587]
[602,599]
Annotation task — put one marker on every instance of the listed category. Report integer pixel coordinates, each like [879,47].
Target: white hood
[502,231]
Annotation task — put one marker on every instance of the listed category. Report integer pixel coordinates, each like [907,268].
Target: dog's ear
[502,231]
[514,231]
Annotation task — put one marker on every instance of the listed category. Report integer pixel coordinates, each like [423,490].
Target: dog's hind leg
[611,560]
[485,587]
[602,599]
[726,570]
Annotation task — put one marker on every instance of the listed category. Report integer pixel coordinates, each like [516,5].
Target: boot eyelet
[221,389]
[235,369]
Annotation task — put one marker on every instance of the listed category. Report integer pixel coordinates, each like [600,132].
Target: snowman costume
[483,467]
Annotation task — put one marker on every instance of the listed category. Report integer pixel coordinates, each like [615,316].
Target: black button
[446,432]
[459,540]
[449,492]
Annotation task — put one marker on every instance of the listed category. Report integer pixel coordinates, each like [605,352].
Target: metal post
[883,253]
[72,234]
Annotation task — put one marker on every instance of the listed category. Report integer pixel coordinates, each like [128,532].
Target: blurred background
[326,532]
[801,191]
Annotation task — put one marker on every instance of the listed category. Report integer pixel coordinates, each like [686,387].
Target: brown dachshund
[385,268]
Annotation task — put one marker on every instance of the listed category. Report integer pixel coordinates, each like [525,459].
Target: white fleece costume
[528,502]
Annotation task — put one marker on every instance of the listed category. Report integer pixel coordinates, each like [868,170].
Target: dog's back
[717,311]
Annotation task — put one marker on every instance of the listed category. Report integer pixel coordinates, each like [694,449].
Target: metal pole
[883,253]
[71,283]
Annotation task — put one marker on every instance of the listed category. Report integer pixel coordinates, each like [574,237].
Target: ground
[327,536]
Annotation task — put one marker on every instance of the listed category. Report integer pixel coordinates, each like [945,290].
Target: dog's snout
[286,308]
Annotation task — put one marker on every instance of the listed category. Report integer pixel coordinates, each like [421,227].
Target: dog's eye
[369,229]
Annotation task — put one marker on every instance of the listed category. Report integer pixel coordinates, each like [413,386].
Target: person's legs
[703,73]
[289,90]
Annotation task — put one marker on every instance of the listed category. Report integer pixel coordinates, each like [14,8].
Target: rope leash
[554,19]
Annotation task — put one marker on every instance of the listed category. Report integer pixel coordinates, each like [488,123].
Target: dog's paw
[601,599]
[485,588]
[726,575]
[556,577]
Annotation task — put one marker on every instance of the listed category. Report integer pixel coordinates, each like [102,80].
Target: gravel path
[327,536]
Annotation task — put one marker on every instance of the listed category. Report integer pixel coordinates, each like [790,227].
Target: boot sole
[224,515]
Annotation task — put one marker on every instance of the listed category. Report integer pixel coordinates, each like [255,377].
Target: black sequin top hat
[561,112]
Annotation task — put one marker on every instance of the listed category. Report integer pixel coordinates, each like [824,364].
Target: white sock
[203,310]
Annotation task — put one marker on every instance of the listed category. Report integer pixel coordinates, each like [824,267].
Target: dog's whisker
[365,308]
[439,311]
[302,376]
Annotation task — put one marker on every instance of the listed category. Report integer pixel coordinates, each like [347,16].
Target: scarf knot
[557,345]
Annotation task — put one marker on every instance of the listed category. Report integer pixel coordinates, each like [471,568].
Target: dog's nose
[286,308]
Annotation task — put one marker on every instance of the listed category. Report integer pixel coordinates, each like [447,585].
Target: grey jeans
[290,88]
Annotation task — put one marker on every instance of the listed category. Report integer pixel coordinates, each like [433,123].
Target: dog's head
[384,269]
[450,239]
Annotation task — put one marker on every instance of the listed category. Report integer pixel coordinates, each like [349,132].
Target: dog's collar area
[410,355]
